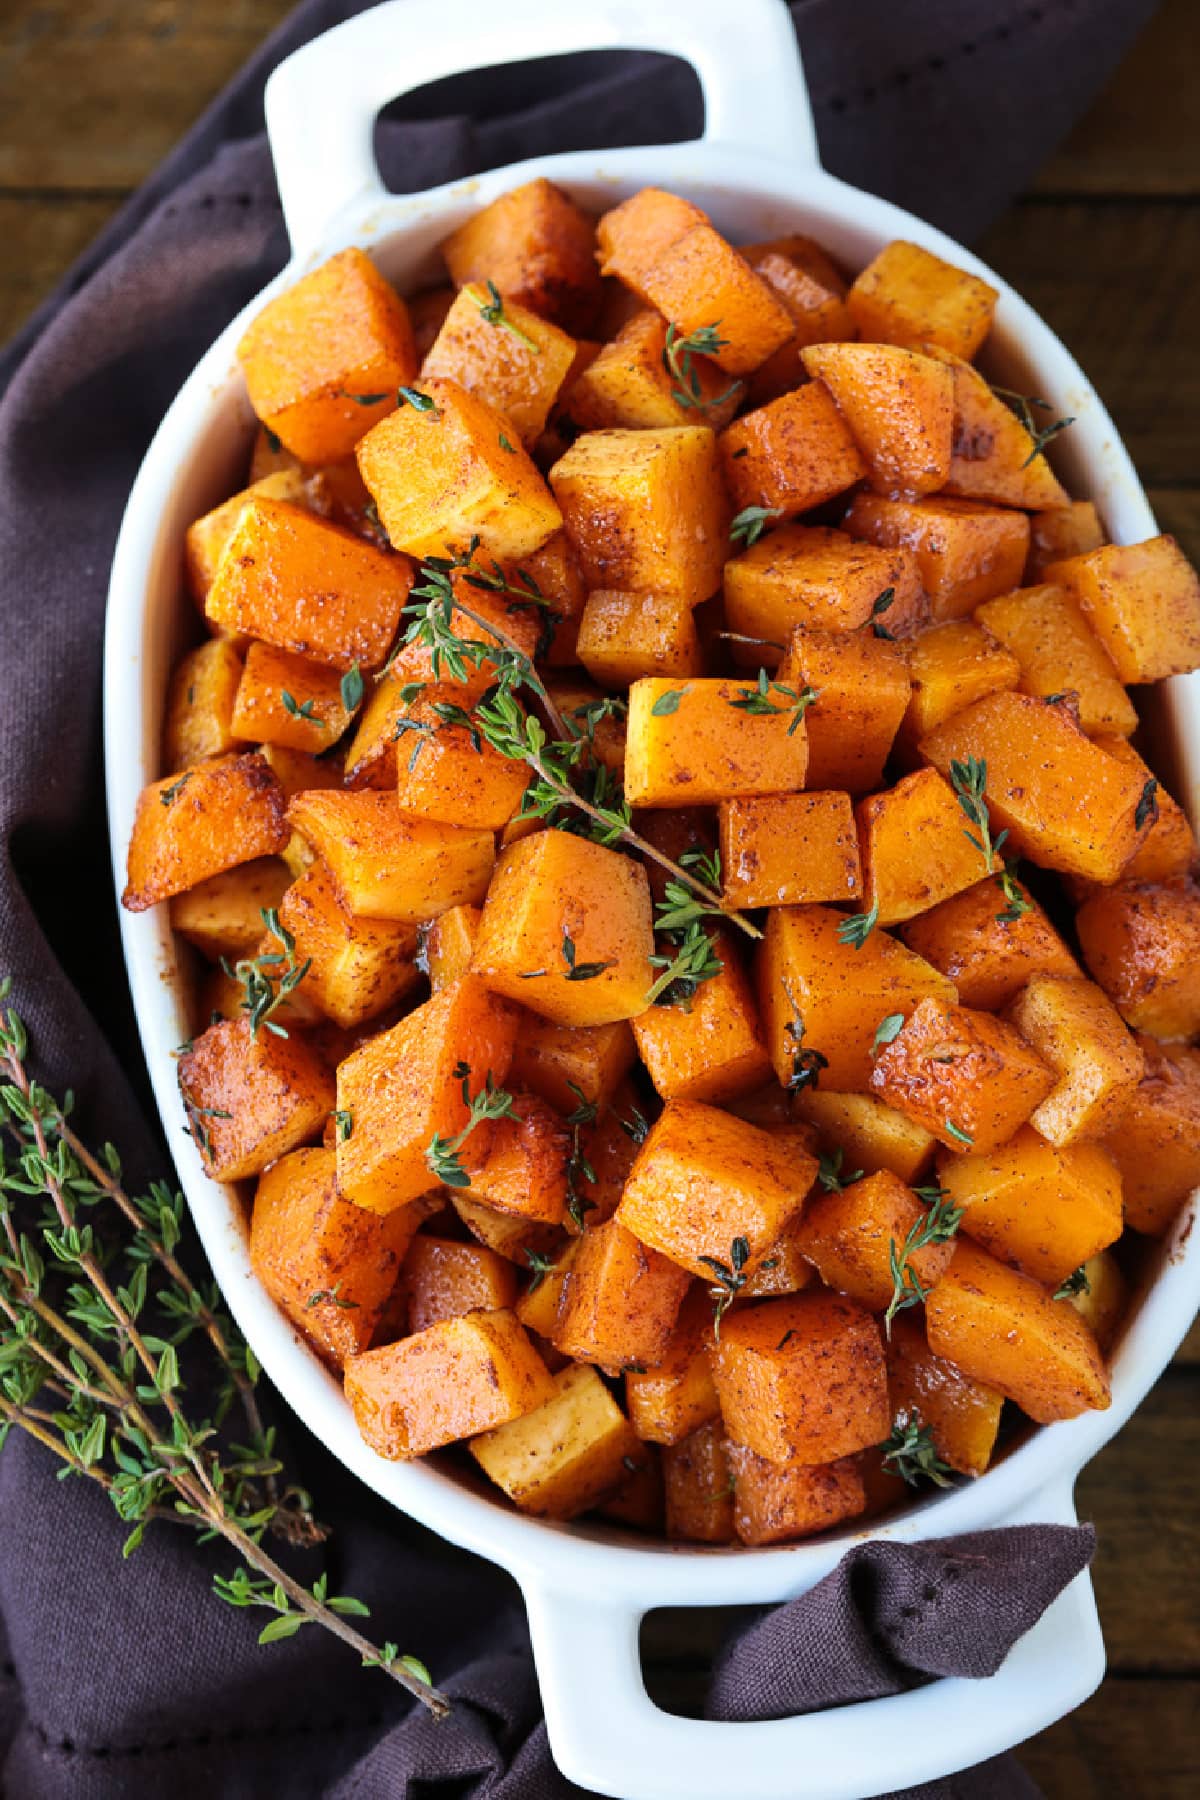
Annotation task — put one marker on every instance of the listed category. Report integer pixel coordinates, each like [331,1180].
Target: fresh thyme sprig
[829,1172]
[1146,812]
[1023,405]
[749,525]
[579,1169]
[730,1279]
[492,309]
[882,603]
[541,1265]
[679,353]
[887,1031]
[491,1102]
[936,1226]
[857,928]
[266,980]
[693,961]
[297,710]
[969,781]
[93,1317]
[757,699]
[911,1453]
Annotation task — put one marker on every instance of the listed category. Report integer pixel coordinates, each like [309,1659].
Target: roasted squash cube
[909,296]
[1059,653]
[560,1460]
[538,1307]
[608,1147]
[692,743]
[963,1416]
[538,246]
[698,1489]
[851,1234]
[324,358]
[870,1135]
[525,1168]
[1060,532]
[639,1502]
[563,1062]
[623,637]
[798,271]
[629,385]
[1031,1203]
[994,456]
[620,1301]
[510,1235]
[897,405]
[788,849]
[449,944]
[388,865]
[1143,603]
[965,553]
[915,848]
[442,1279]
[1076,1029]
[785,1269]
[199,716]
[305,585]
[223,916]
[1156,1141]
[206,538]
[404,1087]
[1002,1328]
[631,238]
[862,688]
[330,1266]
[988,954]
[250,1099]
[811,576]
[451,1381]
[566,930]
[285,699]
[445,770]
[790,455]
[950,667]
[646,510]
[802,1379]
[513,359]
[1141,941]
[775,1503]
[357,967]
[677,1396]
[712,1049]
[704,1179]
[192,826]
[967,1077]
[1168,849]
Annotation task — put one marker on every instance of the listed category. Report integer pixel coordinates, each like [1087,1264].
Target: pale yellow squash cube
[561,1459]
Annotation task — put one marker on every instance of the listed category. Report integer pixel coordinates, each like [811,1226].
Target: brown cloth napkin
[130,1680]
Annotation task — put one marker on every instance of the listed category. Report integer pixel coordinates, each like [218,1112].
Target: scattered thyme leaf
[351,688]
[936,1226]
[169,794]
[1076,1283]
[887,1031]
[492,309]
[748,525]
[331,1294]
[541,1265]
[958,1134]
[1147,806]
[883,602]
[679,354]
[829,1172]
[307,711]
[343,1125]
[422,403]
[668,703]
[857,928]
[730,1277]
[910,1452]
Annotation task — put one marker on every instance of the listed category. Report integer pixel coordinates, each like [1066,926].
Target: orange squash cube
[560,1460]
[538,1307]
[328,1265]
[448,945]
[785,1269]
[950,667]
[915,848]
[1141,941]
[646,510]
[1046,1209]
[1143,603]
[993,455]
[909,296]
[555,1060]
[986,954]
[1076,1029]
[698,1487]
[870,1135]
[324,358]
[284,699]
[899,408]
[798,271]
[967,1077]
[249,1100]
[966,553]
[817,992]
[517,361]
[446,772]
[1002,1328]
[1065,804]
[809,575]
[802,1379]
[388,865]
[628,385]
[639,1502]
[692,743]
[538,246]
[1060,532]
[790,455]
[566,930]
[555,571]
[963,1416]
[452,1381]
[223,916]
[849,1233]
[711,1049]
[788,849]
[194,825]
[620,1301]
[1168,849]
[404,1087]
[1156,1142]
[510,1235]
[631,238]
[1059,653]
[704,1179]
[357,967]
[776,1503]
[304,585]
[442,1279]
[623,637]
[199,716]
[525,1168]
[206,538]
[674,1398]
[862,687]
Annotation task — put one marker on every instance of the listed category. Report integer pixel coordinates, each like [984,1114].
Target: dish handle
[607,1734]
[321,104]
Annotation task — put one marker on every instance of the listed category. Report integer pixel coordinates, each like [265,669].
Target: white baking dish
[587,1587]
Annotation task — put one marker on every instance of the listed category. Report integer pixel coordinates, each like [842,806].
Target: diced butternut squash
[630,385]
[1141,941]
[223,916]
[986,953]
[775,1503]
[566,930]
[449,944]
[704,1179]
[329,1265]
[1143,603]
[1059,653]
[304,585]
[1065,804]
[646,510]
[454,1380]
[1100,1295]
[790,455]
[802,1379]
[324,358]
[950,667]
[496,348]
[907,295]
[810,287]
[560,1460]
[817,992]
[250,1099]
[915,848]
[789,849]
[555,1060]
[639,1502]
[442,1279]
[862,688]
[357,967]
[999,1327]
[963,1416]
[1156,1141]
[206,538]
[525,1168]
[446,772]
[556,572]
[538,246]
[623,636]
[620,1301]
[415,661]
[285,699]
[608,1146]
[784,1269]
[692,743]
[633,236]
[698,1487]
[994,456]
[712,1048]
[510,1235]
[677,1396]
[966,553]
[578,700]
[967,1077]
[404,1087]
[194,825]
[539,1305]
[809,575]
[870,1135]
[1060,532]
[1168,849]
[1076,1029]
[199,716]
[898,406]
[850,1234]
[1030,1203]
[388,865]
[427,308]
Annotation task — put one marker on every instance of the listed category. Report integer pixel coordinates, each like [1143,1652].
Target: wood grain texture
[1133,1740]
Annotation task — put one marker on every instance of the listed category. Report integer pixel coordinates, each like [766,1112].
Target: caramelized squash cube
[1076,1029]
[249,1100]
[510,1235]
[862,688]
[623,637]
[851,1233]
[790,455]
[1156,1142]
[674,1398]
[516,362]
[692,743]
[388,865]
[538,246]
[1060,532]
[967,1077]
[798,271]
[442,1279]
[870,1135]
[915,850]
[963,1416]
[1001,1328]
[776,1503]
[698,1488]
[525,1168]
[950,667]
[192,826]
[986,954]
[631,237]
[789,849]
[628,385]
[965,553]
[562,1062]
[1059,653]
[1143,603]
[785,1269]
[199,716]
[713,1050]
[620,1301]
[899,408]
[1141,941]
[357,967]
[560,1460]
[206,538]
[445,770]
[223,916]
[809,575]
[285,699]
[1169,849]
[448,945]
[639,1502]
[909,296]
[994,457]
[539,1305]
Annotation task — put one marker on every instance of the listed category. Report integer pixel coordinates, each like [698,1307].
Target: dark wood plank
[1133,1740]
[41,238]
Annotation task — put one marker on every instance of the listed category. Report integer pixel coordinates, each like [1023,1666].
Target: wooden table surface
[1106,246]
